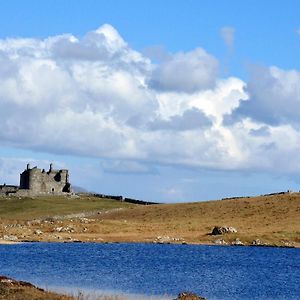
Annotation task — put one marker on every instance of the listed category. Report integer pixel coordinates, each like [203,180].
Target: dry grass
[272,219]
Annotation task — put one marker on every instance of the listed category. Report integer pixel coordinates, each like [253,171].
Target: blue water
[215,272]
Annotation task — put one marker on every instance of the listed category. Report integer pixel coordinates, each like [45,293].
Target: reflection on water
[215,272]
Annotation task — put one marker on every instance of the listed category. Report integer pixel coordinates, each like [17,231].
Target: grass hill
[271,219]
[26,208]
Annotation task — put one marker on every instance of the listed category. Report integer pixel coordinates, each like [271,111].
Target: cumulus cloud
[227,34]
[190,119]
[95,96]
[275,151]
[274,96]
[186,72]
[261,131]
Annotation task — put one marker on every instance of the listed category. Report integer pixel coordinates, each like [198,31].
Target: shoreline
[4,242]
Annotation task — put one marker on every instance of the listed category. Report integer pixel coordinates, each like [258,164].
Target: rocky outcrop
[258,242]
[218,230]
[188,296]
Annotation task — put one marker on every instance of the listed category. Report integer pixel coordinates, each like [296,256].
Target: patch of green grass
[44,206]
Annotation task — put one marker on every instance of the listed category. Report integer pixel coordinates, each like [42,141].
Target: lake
[215,272]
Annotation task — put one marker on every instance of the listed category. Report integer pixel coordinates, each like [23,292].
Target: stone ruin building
[40,181]
[34,181]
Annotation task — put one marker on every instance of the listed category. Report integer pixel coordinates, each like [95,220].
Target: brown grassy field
[272,219]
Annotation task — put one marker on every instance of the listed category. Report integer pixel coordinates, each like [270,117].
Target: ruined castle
[34,181]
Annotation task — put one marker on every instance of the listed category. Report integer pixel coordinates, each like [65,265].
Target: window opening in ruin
[52,189]
[57,177]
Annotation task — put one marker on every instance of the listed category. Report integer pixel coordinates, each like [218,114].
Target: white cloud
[223,99]
[274,151]
[186,72]
[191,119]
[274,96]
[97,97]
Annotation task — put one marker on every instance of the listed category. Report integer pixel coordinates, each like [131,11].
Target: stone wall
[8,189]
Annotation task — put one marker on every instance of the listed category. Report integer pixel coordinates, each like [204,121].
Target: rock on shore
[217,230]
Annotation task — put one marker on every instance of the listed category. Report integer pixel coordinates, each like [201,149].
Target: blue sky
[265,30]
[193,100]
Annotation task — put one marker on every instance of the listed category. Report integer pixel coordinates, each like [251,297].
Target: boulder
[10,238]
[188,296]
[257,242]
[58,229]
[237,242]
[217,230]
[220,242]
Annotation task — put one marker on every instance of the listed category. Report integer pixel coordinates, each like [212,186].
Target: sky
[169,101]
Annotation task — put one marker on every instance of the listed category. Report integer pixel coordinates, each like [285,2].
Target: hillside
[25,208]
[271,219]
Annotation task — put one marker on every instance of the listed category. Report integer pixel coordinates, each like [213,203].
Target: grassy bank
[26,208]
[11,289]
[271,219]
